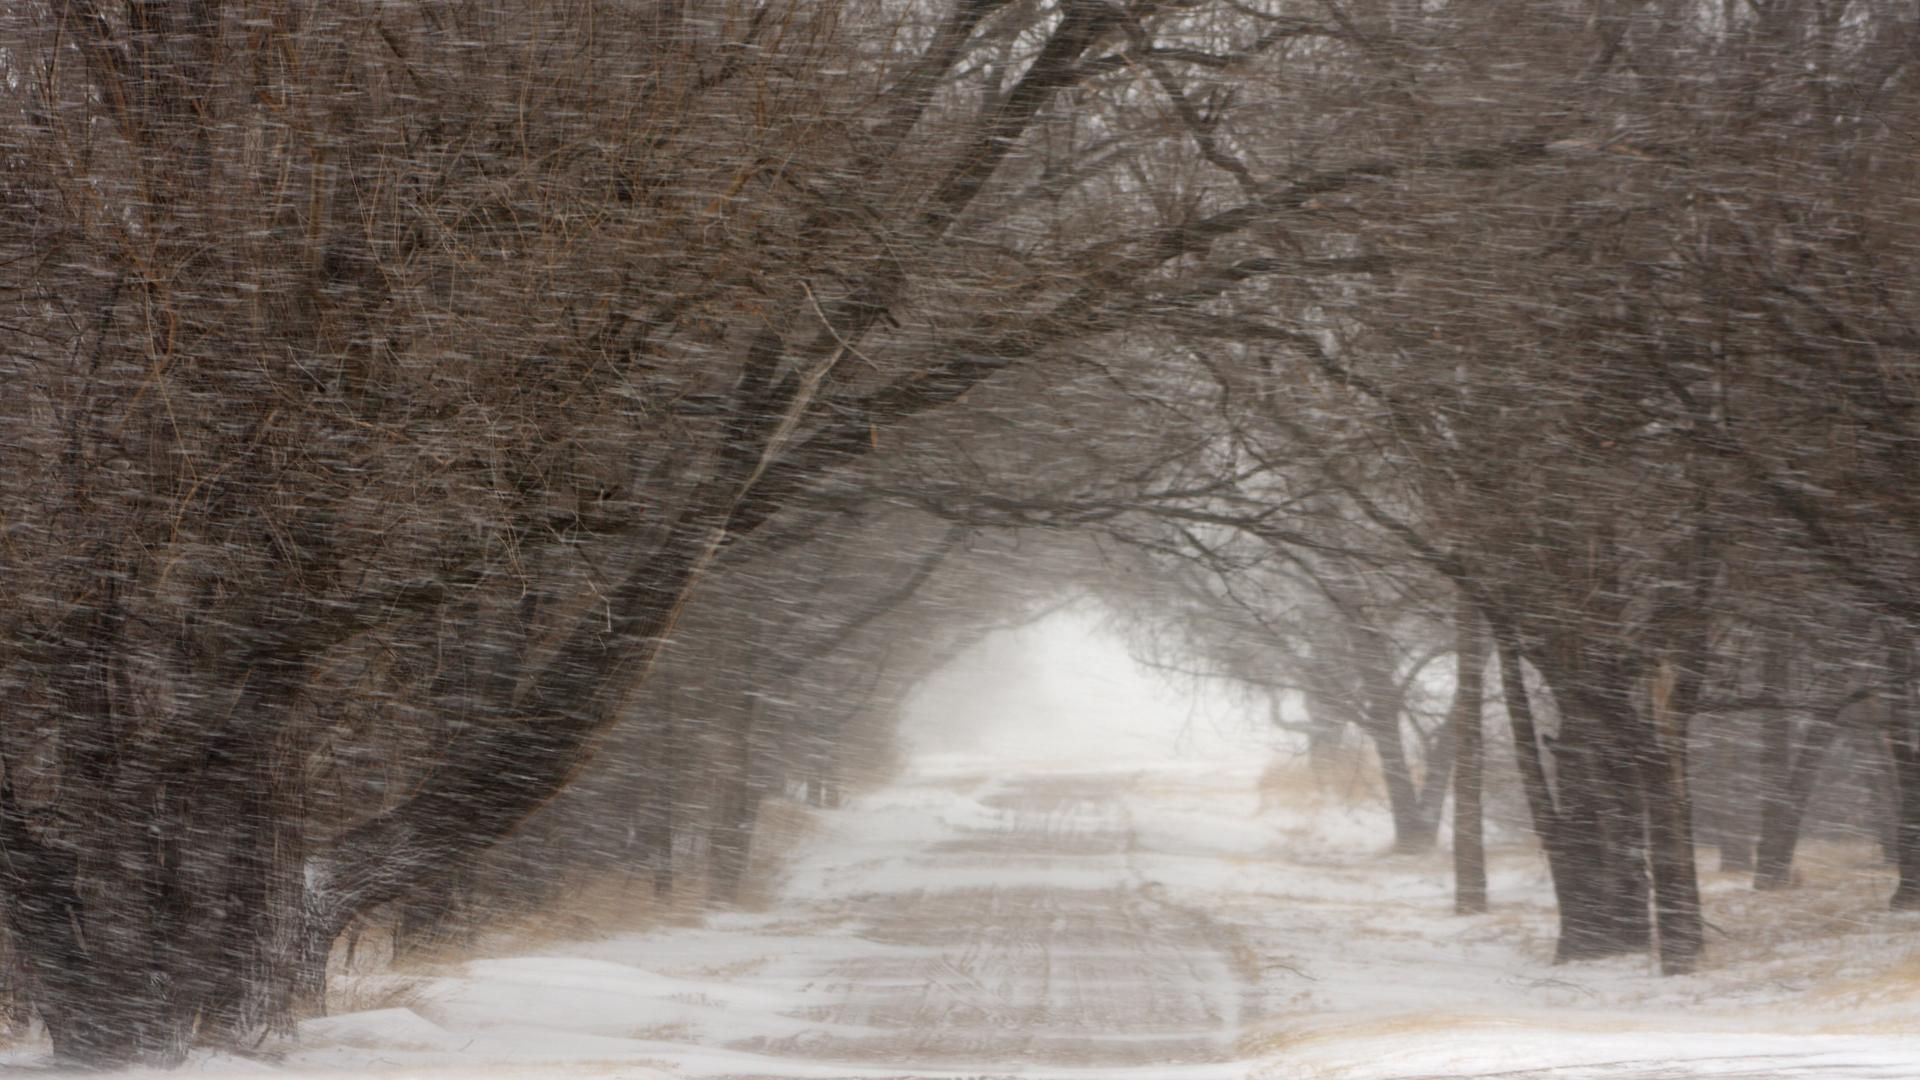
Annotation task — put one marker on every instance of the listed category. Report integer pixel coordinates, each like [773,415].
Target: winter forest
[458,457]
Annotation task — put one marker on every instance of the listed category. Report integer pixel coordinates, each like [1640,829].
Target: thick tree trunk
[1469,840]
[160,902]
[96,976]
[132,961]
[1676,882]
[94,1016]
[1604,904]
[1606,813]
[1565,835]
[1593,833]
[511,766]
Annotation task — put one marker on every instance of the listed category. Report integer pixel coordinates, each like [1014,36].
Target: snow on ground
[1113,906]
[1147,921]
[1151,921]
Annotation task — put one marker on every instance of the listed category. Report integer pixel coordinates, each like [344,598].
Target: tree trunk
[1402,800]
[161,902]
[657,822]
[1773,852]
[1604,906]
[730,837]
[1675,878]
[95,1017]
[1430,799]
[1598,756]
[1577,882]
[1886,798]
[1469,841]
[1593,833]
[1906,895]
[1791,771]
[1662,728]
[513,764]
[1785,806]
[1903,741]
[1727,816]
[1676,882]
[1354,678]
[659,791]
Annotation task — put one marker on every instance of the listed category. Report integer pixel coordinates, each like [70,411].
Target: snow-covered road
[952,926]
[1033,939]
[1129,923]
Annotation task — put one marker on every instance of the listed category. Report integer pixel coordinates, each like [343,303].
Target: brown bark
[1773,851]
[1412,802]
[1679,931]
[1676,884]
[1541,809]
[1435,781]
[1604,910]
[1590,822]
[1568,840]
[1903,741]
[1469,840]
[1402,799]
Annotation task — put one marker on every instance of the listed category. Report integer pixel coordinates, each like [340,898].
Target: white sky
[1064,693]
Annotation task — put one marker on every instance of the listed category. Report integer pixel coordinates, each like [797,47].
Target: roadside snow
[1356,967]
[1142,919]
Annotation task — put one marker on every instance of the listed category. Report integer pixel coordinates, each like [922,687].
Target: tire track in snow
[1030,970]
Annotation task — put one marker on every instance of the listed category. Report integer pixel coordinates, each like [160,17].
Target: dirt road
[1047,946]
